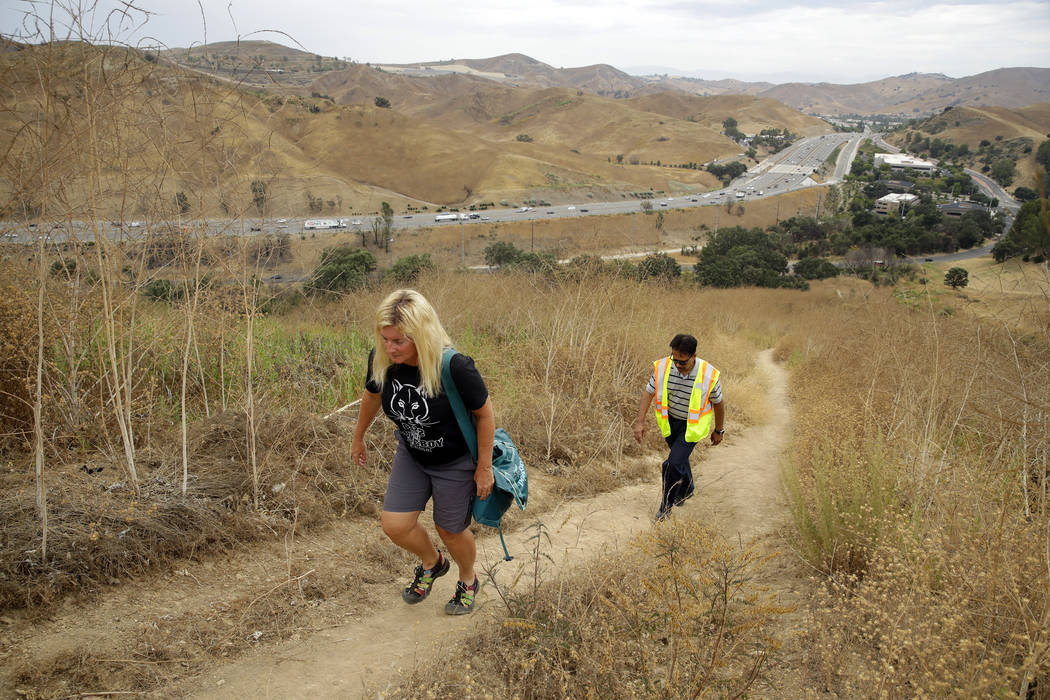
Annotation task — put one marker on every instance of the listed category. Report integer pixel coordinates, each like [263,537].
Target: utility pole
[462,245]
[534,235]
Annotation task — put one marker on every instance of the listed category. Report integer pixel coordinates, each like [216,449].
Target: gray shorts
[412,484]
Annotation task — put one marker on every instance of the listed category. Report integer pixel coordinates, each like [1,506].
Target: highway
[781,172]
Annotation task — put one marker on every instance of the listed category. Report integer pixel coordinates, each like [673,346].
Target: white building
[894,203]
[899,161]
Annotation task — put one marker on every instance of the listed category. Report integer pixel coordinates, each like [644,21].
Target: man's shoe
[421,585]
[463,602]
[663,514]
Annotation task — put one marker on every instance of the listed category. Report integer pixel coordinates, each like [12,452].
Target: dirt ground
[358,645]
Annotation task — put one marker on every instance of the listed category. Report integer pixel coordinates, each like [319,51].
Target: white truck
[446,217]
[313,224]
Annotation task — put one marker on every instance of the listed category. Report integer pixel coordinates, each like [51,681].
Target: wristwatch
[720,432]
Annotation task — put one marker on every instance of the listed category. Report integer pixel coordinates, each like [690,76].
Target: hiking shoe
[420,587]
[662,514]
[463,602]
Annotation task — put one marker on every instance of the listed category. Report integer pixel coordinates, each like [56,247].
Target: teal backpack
[512,482]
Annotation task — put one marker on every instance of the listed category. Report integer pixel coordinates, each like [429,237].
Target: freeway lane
[786,171]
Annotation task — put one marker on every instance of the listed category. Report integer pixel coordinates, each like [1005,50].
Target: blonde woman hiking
[432,459]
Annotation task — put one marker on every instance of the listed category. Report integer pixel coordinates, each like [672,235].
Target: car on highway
[355,222]
[571,208]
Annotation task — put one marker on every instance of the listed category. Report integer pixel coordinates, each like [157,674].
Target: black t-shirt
[427,424]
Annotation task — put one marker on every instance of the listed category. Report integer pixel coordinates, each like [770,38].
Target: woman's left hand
[484,480]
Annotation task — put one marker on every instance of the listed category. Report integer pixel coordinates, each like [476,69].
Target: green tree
[1029,235]
[1026,194]
[382,103]
[500,253]
[182,202]
[956,277]
[737,256]
[408,269]
[341,269]
[1042,155]
[1003,171]
[730,130]
[659,266]
[259,195]
[815,269]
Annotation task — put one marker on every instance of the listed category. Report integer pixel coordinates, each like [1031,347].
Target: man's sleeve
[715,395]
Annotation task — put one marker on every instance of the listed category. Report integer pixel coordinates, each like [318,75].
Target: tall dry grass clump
[919,482]
[680,615]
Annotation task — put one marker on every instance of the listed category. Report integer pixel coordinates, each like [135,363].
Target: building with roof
[895,203]
[957,209]
[899,161]
[897,185]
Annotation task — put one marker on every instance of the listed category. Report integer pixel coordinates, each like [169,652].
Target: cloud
[821,39]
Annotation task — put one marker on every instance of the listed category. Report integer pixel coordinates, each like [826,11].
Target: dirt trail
[738,491]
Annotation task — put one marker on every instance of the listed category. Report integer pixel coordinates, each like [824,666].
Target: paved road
[782,172]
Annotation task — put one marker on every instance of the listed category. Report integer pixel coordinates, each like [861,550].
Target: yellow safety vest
[698,425]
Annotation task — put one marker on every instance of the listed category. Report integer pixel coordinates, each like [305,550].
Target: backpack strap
[465,425]
[456,401]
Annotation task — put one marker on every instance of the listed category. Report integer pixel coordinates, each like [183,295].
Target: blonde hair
[412,314]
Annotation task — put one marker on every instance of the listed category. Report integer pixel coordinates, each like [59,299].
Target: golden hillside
[173,137]
[1010,131]
[752,113]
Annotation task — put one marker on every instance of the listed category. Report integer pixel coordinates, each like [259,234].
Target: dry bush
[680,616]
[100,531]
[919,485]
[18,339]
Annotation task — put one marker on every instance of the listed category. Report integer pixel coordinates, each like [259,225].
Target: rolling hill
[990,133]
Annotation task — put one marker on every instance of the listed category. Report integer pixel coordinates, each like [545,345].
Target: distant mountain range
[910,94]
[913,94]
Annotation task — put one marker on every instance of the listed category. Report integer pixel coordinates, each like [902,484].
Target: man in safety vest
[688,408]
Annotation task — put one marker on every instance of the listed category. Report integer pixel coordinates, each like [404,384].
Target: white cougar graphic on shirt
[410,409]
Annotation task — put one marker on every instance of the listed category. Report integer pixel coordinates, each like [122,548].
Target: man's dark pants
[677,475]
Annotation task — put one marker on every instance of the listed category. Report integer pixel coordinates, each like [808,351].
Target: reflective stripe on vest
[701,411]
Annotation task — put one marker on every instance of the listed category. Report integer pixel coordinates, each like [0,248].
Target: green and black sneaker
[463,602]
[424,579]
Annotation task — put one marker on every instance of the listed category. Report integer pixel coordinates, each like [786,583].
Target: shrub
[409,268]
[956,277]
[341,269]
[659,266]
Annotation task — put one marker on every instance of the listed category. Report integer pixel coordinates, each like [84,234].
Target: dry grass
[919,478]
[919,469]
[679,616]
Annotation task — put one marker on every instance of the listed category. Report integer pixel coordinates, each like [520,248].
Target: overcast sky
[777,40]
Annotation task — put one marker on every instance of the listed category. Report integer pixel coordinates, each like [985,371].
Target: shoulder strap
[465,425]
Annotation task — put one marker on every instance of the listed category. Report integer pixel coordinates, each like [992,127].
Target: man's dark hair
[684,343]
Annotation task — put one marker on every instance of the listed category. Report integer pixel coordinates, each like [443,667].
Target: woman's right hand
[358,453]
